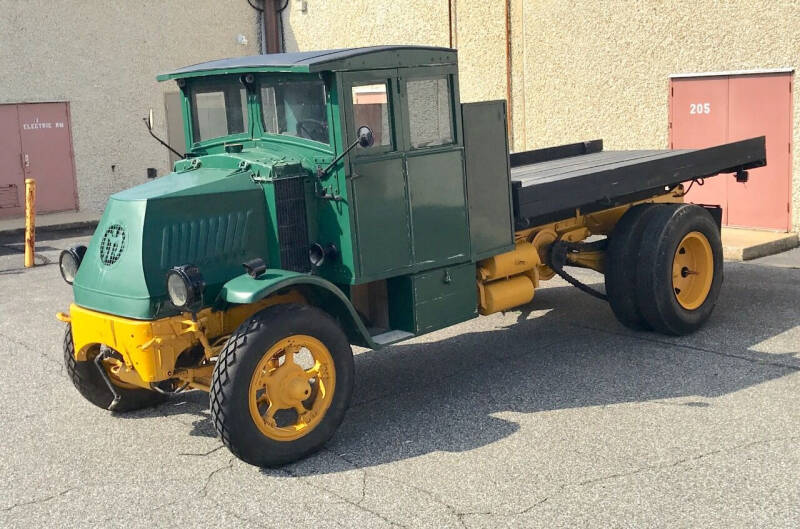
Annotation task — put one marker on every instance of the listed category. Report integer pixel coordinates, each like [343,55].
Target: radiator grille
[290,205]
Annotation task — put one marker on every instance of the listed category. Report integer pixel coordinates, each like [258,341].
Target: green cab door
[376,183]
[434,163]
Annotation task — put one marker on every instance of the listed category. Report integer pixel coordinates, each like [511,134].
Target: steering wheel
[313,129]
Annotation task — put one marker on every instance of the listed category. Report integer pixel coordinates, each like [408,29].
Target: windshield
[295,108]
[219,108]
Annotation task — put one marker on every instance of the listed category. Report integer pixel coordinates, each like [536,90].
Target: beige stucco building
[600,70]
[102,58]
[597,69]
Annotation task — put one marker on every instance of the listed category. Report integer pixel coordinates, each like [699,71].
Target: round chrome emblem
[112,245]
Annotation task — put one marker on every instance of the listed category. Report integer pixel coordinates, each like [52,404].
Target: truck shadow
[565,350]
[462,392]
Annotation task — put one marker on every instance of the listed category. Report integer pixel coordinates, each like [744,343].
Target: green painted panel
[438,208]
[207,217]
[445,297]
[434,299]
[488,184]
[381,212]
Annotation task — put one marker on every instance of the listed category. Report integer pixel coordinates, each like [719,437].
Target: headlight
[185,285]
[70,261]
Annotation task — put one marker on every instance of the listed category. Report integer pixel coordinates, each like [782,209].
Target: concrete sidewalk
[741,244]
[64,220]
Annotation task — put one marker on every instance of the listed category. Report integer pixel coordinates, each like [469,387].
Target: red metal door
[709,110]
[12,192]
[761,105]
[47,154]
[699,118]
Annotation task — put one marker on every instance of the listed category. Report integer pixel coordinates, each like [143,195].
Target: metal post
[30,221]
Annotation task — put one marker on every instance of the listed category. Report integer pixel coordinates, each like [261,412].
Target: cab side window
[218,110]
[371,108]
[430,112]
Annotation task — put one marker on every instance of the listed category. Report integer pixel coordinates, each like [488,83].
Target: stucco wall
[598,71]
[103,57]
[327,24]
[602,71]
[480,37]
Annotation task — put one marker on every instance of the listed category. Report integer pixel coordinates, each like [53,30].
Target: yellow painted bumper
[149,347]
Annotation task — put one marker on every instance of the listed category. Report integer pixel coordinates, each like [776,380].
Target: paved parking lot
[554,416]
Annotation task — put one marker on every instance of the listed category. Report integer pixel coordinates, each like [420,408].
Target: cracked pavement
[550,416]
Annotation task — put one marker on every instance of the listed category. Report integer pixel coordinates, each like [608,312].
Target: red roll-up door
[708,110]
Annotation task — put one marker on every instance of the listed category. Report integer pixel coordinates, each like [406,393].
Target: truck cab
[368,216]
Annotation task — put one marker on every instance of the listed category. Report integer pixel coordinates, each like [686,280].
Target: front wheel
[89,382]
[281,385]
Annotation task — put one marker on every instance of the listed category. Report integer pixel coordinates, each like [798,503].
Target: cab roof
[344,59]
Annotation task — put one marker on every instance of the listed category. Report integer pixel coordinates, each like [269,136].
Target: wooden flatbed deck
[549,182]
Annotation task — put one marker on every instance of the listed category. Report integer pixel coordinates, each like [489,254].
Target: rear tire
[622,266]
[259,372]
[89,383]
[680,272]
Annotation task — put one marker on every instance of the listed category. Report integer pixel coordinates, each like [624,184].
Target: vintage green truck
[347,197]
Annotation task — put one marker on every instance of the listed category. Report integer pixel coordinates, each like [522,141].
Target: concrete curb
[63,226]
[784,242]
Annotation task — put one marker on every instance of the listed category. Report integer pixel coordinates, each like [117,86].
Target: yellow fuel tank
[522,259]
[506,294]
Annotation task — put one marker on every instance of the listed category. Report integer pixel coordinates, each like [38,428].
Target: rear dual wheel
[664,268]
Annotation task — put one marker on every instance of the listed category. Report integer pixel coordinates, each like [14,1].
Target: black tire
[90,383]
[656,296]
[230,383]
[622,265]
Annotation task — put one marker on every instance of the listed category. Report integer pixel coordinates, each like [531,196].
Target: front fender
[245,289]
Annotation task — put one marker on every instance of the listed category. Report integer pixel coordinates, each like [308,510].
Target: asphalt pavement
[550,416]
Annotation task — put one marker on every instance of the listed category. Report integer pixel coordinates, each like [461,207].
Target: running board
[390,337]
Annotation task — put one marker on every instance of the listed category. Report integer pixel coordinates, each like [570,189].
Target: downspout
[452,21]
[271,27]
[509,98]
[263,31]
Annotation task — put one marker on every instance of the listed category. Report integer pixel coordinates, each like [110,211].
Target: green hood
[212,217]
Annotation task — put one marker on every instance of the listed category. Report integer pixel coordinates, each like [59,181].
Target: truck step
[391,337]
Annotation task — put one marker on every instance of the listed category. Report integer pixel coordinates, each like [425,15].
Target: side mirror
[365,136]
[365,139]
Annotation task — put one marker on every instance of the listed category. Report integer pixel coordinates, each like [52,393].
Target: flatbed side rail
[605,183]
[555,153]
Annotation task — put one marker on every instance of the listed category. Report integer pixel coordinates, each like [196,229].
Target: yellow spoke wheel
[297,374]
[282,384]
[692,270]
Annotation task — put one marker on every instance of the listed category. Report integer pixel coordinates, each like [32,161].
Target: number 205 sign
[700,108]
